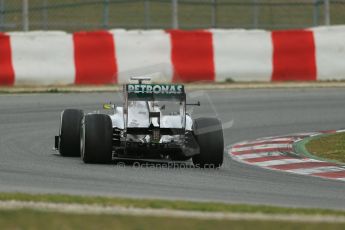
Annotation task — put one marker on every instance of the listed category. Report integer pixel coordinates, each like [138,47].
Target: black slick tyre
[70,132]
[96,139]
[209,136]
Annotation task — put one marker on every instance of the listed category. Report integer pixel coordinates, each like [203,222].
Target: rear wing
[154,92]
[151,93]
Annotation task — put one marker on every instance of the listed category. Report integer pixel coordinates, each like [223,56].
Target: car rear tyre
[70,132]
[209,136]
[96,139]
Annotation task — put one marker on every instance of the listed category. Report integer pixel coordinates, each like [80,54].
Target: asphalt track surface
[28,123]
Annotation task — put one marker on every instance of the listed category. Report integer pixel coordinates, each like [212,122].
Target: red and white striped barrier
[108,57]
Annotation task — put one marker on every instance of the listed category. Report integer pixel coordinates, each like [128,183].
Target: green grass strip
[325,147]
[28,219]
[166,204]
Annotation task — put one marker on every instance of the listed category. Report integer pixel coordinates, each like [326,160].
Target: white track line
[307,171]
[282,162]
[257,155]
[261,146]
[260,141]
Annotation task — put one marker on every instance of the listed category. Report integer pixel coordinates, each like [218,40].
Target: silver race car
[152,124]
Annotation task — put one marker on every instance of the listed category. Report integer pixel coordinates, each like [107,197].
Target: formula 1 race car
[152,124]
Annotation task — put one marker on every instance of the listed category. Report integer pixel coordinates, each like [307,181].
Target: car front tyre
[69,132]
